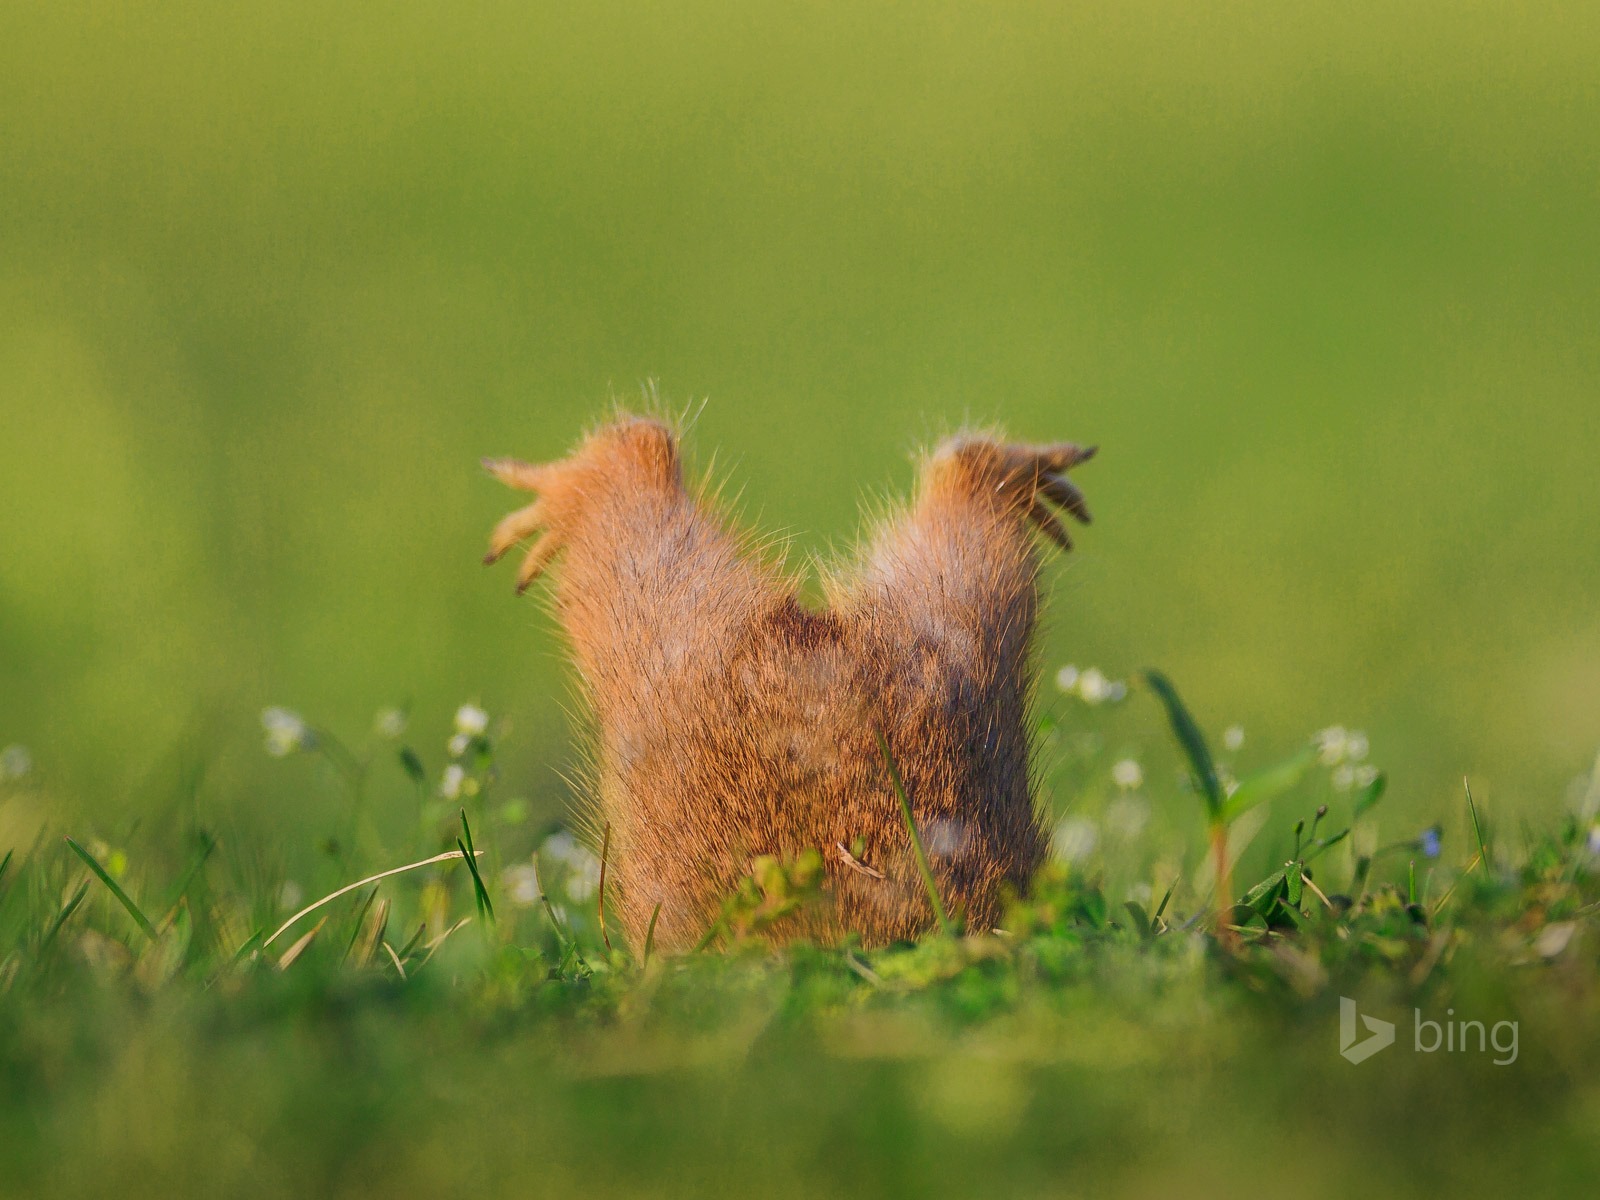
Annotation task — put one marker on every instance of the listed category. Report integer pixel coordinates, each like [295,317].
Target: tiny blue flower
[1428,843]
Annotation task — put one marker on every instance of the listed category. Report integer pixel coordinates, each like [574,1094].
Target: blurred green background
[1321,278]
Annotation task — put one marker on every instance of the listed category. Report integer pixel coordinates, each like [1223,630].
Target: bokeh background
[1321,278]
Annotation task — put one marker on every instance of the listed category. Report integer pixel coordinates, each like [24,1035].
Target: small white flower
[1093,686]
[286,731]
[1233,737]
[471,720]
[1128,775]
[1344,778]
[1140,894]
[290,895]
[1332,745]
[521,884]
[453,781]
[460,743]
[389,723]
[1074,839]
[1356,747]
[583,879]
[15,762]
[1366,775]
[580,865]
[562,847]
[1067,678]
[1116,691]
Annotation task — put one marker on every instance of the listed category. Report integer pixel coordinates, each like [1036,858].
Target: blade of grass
[1477,829]
[916,838]
[562,936]
[650,933]
[1165,897]
[708,936]
[207,845]
[605,850]
[432,947]
[139,919]
[61,917]
[479,892]
[361,915]
[251,943]
[447,856]
[411,944]
[1192,742]
[294,951]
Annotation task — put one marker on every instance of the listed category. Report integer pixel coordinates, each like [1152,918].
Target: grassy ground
[167,1028]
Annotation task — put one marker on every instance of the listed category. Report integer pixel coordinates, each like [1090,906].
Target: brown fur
[734,722]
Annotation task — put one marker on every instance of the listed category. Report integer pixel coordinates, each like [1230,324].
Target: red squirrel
[733,721]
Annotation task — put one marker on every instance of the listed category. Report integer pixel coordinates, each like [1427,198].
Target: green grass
[458,1024]
[274,280]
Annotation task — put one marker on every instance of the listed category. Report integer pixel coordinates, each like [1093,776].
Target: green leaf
[1191,740]
[1266,785]
[142,921]
[1264,896]
[1294,882]
[413,765]
[1372,793]
[1136,911]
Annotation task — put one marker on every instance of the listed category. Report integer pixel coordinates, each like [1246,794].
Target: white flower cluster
[455,783]
[15,762]
[286,732]
[520,883]
[390,723]
[1074,839]
[1128,775]
[580,866]
[1091,685]
[471,724]
[1344,752]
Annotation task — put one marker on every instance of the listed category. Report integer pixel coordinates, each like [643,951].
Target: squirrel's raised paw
[519,526]
[612,466]
[1025,477]
[1046,468]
